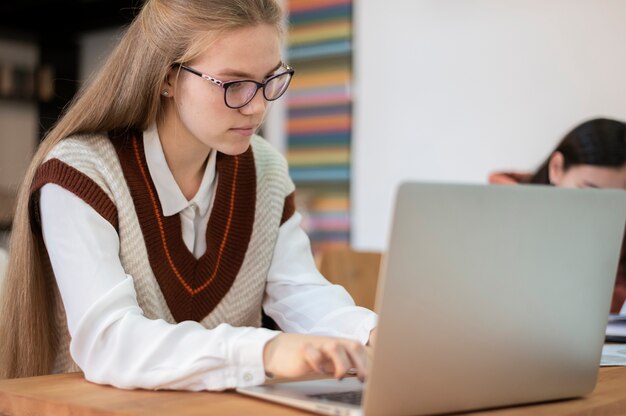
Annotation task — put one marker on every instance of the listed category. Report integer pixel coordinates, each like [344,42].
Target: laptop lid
[492,295]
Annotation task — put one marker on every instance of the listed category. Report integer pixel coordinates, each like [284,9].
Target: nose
[257,105]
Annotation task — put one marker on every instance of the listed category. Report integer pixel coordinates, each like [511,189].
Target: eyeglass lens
[240,93]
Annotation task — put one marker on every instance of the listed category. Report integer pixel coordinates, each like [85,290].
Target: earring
[165,93]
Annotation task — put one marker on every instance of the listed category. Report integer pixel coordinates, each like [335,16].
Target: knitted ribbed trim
[288,208]
[193,287]
[60,173]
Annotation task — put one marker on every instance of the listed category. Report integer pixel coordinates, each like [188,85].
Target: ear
[167,86]
[556,168]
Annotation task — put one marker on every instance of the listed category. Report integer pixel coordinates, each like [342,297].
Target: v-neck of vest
[193,287]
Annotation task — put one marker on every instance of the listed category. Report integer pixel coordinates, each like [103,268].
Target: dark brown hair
[597,142]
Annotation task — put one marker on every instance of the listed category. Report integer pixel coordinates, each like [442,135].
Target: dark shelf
[19,100]
[40,18]
[56,26]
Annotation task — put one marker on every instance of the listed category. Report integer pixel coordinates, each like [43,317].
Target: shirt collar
[171,197]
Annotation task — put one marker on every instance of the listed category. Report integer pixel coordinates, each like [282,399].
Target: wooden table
[70,394]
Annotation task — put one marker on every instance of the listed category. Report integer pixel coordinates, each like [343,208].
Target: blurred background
[385,91]
[45,52]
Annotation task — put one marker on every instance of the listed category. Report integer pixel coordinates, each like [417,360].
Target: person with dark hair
[591,155]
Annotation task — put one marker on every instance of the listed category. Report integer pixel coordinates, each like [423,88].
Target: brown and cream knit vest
[253,197]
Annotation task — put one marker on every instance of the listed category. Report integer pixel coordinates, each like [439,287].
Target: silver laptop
[489,296]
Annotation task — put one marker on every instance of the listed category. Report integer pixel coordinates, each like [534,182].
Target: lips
[245,130]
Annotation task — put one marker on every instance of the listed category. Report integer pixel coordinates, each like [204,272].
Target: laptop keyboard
[350,397]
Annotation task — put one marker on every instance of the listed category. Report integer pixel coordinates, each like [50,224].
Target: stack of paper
[613,355]
[616,328]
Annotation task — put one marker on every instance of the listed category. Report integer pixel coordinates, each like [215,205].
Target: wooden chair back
[356,271]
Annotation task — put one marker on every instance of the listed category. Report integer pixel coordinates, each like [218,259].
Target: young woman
[593,155]
[154,226]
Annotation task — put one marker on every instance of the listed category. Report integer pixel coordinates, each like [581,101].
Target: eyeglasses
[239,93]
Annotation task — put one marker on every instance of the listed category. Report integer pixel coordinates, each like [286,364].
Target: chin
[234,149]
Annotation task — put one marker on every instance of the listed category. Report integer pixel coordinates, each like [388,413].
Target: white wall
[19,120]
[451,90]
[274,126]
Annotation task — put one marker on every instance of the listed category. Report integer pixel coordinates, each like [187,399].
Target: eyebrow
[239,74]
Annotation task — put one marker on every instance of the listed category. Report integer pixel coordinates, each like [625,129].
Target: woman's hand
[295,355]
[372,338]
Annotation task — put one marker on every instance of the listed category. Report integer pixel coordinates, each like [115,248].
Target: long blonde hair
[125,94]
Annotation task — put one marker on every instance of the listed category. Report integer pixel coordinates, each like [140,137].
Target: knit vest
[253,197]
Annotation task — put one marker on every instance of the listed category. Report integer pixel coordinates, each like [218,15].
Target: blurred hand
[295,355]
[372,338]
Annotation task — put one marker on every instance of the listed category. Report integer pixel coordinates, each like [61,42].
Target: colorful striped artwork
[319,121]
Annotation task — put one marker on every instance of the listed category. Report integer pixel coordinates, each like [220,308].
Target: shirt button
[247,376]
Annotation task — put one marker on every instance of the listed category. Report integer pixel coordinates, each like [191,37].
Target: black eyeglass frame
[259,85]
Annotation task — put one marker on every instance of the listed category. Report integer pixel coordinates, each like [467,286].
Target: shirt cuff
[364,329]
[247,356]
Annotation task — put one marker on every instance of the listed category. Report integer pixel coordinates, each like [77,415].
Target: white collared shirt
[114,343]
[194,214]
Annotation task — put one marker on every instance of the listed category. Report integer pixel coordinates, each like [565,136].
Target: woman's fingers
[358,357]
[314,358]
[337,357]
[336,352]
[293,355]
